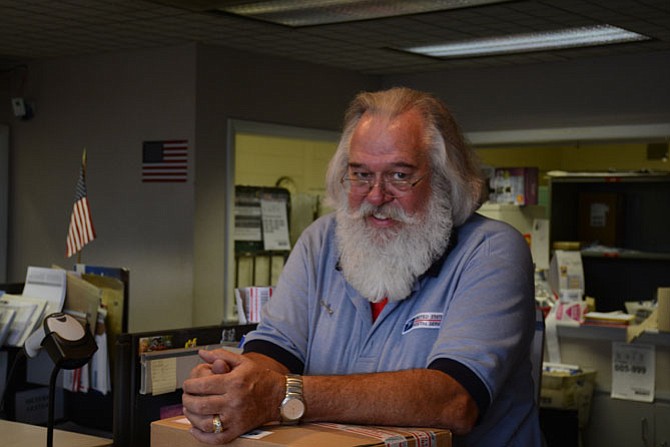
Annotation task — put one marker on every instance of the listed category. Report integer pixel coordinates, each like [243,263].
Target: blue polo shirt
[471,315]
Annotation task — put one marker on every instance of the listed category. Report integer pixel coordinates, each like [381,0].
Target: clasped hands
[236,388]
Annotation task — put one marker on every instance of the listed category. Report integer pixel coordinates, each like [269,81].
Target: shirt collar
[436,267]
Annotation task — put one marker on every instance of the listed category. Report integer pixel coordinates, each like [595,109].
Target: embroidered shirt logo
[426,320]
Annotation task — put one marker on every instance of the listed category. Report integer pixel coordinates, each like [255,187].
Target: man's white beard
[385,262]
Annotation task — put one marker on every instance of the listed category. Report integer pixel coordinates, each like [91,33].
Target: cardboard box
[518,186]
[173,432]
[572,391]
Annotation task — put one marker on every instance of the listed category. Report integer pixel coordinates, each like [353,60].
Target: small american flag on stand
[81,230]
[165,161]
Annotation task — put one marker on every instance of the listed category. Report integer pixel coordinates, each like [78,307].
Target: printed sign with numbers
[633,371]
[275,224]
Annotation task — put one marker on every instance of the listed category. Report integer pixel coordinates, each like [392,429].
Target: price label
[633,371]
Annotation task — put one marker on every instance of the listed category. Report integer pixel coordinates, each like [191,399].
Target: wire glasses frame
[391,187]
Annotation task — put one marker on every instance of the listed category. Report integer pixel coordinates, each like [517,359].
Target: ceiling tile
[45,28]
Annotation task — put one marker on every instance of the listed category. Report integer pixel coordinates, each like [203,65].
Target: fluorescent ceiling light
[519,43]
[319,12]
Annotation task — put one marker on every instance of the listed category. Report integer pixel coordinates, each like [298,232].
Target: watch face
[292,409]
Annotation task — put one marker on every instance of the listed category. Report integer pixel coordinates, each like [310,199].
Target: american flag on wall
[165,161]
[81,230]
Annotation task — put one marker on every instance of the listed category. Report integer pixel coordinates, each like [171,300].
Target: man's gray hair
[455,166]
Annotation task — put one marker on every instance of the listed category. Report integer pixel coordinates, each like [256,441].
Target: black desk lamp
[70,346]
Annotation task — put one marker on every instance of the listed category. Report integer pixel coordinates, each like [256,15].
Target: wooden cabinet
[662,424]
[619,422]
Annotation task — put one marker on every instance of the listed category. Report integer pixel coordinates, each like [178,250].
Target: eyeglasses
[392,187]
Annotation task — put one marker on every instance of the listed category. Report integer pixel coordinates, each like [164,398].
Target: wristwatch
[292,408]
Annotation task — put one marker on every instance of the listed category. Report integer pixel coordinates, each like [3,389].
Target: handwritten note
[163,375]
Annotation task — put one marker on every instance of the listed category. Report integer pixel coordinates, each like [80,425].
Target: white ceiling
[33,29]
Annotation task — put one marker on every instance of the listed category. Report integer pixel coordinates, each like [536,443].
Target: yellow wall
[587,157]
[260,160]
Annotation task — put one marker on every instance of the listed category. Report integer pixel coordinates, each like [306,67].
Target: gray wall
[606,91]
[108,104]
[171,236]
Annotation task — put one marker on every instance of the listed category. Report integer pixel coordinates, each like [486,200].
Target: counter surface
[16,434]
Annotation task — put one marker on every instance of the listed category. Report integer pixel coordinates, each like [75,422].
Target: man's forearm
[420,397]
[267,362]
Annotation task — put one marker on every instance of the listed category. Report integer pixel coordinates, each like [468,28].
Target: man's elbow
[461,415]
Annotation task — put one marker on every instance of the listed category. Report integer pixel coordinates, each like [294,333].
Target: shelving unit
[634,217]
[257,274]
[255,265]
[586,332]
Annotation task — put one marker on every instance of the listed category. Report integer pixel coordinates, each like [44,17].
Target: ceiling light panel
[520,43]
[298,13]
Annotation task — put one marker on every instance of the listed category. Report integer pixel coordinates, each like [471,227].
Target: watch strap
[294,391]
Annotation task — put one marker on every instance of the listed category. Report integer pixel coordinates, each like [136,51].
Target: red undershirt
[377,308]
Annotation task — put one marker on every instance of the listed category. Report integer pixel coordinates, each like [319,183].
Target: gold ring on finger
[216,423]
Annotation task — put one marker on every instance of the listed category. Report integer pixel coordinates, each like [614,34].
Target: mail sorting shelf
[254,258]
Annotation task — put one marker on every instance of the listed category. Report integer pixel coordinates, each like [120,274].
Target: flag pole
[83,170]
[83,162]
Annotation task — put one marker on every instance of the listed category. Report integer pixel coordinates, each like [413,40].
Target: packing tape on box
[391,437]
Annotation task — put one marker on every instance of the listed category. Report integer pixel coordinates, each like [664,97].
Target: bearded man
[401,308]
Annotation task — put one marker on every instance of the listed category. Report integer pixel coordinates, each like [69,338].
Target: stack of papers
[561,368]
[6,318]
[28,314]
[48,284]
[250,301]
[20,315]
[608,318]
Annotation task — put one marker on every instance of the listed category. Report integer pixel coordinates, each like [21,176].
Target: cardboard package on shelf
[569,390]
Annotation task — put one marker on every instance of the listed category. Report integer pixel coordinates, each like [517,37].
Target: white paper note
[633,371]
[539,243]
[275,224]
[163,375]
[48,284]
